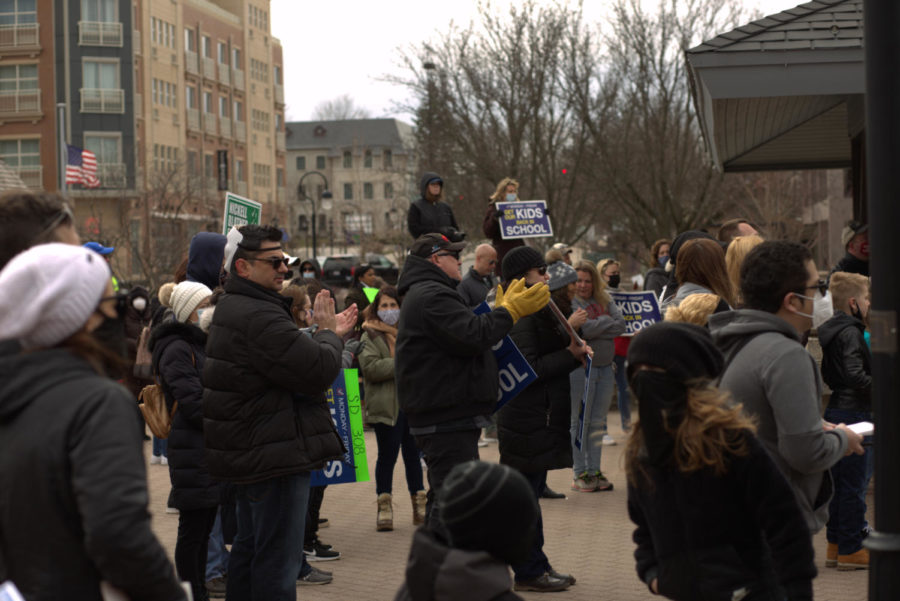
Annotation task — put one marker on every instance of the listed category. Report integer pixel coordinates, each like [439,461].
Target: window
[262,175]
[209,165]
[190,97]
[190,40]
[348,159]
[101,75]
[154,84]
[18,12]
[162,32]
[301,163]
[276,74]
[279,177]
[236,58]
[388,190]
[348,191]
[223,53]
[223,107]
[388,158]
[320,162]
[238,110]
[368,191]
[207,102]
[99,10]
[21,153]
[206,46]
[358,224]
[239,170]
[18,77]
[105,146]
[367,159]
[192,166]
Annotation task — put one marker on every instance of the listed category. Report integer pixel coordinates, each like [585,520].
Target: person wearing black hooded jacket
[429,213]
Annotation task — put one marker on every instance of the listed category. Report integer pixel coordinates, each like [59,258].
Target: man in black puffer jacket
[429,213]
[266,421]
[447,381]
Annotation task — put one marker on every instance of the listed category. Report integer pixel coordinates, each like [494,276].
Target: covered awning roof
[783,92]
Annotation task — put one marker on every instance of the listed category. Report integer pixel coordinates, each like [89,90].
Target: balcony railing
[209,67]
[20,102]
[193,119]
[279,140]
[238,76]
[24,36]
[99,33]
[190,62]
[209,123]
[96,100]
[240,131]
[31,176]
[224,74]
[112,175]
[225,127]
[241,188]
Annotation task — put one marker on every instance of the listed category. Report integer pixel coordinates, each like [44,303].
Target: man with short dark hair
[28,219]
[734,228]
[266,421]
[855,238]
[479,280]
[775,378]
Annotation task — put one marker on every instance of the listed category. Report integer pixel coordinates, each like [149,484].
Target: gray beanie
[561,275]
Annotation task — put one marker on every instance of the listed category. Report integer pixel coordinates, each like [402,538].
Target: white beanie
[185,298]
[48,292]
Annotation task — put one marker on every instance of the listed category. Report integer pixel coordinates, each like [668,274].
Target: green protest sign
[371,293]
[240,211]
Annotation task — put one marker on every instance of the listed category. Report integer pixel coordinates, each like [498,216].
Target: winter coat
[436,572]
[705,536]
[851,264]
[491,228]
[601,328]
[655,280]
[205,259]
[73,483]
[264,409]
[534,426]
[846,363]
[431,217]
[445,369]
[377,365]
[474,287]
[777,381]
[179,352]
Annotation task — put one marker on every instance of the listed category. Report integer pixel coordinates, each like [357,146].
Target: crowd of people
[731,465]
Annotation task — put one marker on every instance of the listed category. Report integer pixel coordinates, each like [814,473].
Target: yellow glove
[521,301]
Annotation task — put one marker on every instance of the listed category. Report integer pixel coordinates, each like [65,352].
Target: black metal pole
[313,202]
[882,55]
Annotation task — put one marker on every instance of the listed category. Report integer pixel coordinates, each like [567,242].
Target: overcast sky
[344,46]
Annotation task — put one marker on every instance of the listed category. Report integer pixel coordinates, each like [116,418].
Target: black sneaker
[216,587]
[316,551]
[323,523]
[545,583]
[315,577]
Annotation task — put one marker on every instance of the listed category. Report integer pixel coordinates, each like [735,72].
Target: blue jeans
[599,397]
[537,562]
[624,400]
[160,447]
[391,439]
[847,510]
[216,553]
[266,555]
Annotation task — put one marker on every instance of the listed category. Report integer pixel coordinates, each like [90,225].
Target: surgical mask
[822,308]
[200,313]
[614,281]
[511,197]
[663,260]
[309,275]
[389,316]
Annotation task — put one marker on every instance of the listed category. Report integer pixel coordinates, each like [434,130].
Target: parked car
[338,270]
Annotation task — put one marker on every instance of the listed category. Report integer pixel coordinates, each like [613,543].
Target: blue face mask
[511,197]
[663,259]
[309,274]
[389,316]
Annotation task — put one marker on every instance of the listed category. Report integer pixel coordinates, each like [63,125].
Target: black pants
[316,496]
[194,527]
[443,451]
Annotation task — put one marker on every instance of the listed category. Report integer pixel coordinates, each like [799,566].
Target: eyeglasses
[455,255]
[308,270]
[821,286]
[64,213]
[275,262]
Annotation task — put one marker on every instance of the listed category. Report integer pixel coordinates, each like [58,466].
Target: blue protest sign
[579,433]
[640,309]
[346,411]
[524,219]
[513,370]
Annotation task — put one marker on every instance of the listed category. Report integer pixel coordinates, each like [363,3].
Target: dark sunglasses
[455,255]
[542,269]
[821,286]
[275,262]
[308,270]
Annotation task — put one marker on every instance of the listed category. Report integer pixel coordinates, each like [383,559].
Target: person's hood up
[205,259]
[427,177]
[730,327]
[26,376]
[840,320]
[315,265]
[416,269]
[436,572]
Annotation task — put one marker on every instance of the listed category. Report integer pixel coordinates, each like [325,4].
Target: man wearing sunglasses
[769,371]
[266,421]
[447,378]
[480,278]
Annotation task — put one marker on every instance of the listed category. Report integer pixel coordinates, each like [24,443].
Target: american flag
[81,167]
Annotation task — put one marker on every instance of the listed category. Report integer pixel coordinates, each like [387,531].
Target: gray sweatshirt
[600,329]
[778,383]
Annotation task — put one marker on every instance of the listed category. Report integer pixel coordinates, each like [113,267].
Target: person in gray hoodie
[776,379]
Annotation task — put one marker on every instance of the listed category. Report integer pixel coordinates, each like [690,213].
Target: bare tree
[342,107]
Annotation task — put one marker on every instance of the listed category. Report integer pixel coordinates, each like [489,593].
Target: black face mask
[613,281]
[111,334]
[661,406]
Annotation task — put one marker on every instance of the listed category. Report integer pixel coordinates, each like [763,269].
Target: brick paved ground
[588,535]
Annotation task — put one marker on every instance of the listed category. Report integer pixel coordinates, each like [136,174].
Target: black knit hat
[684,350]
[518,261]
[489,507]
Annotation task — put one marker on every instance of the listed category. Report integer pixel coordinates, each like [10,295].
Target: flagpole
[63,151]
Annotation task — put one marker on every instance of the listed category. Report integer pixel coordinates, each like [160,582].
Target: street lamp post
[301,196]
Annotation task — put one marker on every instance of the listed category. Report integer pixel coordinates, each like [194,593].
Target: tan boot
[385,519]
[418,502]
[854,561]
[831,555]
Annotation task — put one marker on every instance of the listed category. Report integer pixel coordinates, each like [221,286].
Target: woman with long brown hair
[715,517]
[701,269]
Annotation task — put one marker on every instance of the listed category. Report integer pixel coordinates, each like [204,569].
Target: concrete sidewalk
[587,535]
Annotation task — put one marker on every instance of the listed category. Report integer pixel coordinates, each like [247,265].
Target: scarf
[389,332]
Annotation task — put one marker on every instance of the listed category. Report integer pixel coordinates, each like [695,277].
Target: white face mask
[511,197]
[389,316]
[823,310]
